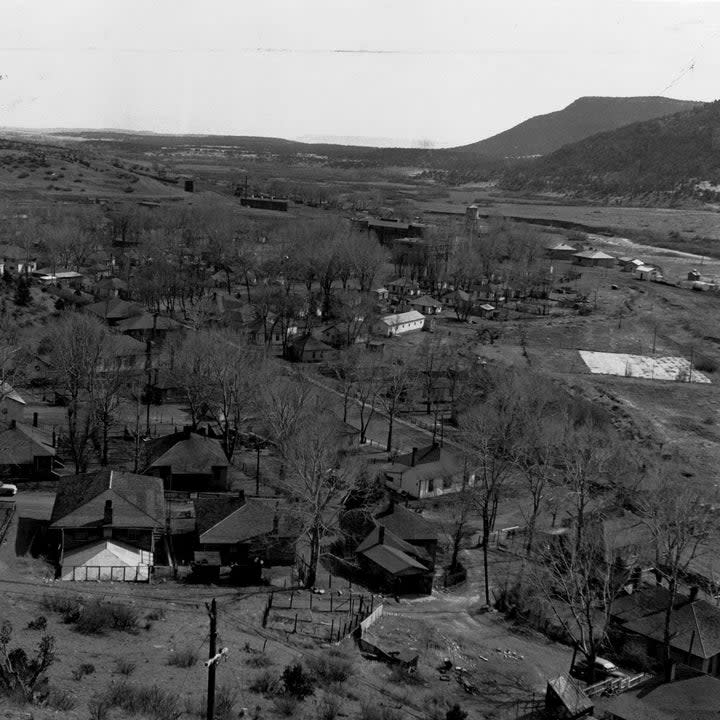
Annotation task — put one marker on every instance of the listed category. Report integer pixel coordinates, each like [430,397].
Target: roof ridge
[130,502]
[697,630]
[222,520]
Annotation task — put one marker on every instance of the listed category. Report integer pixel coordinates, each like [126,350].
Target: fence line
[119,573]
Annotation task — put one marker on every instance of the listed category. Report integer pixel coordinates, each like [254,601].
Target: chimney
[381,534]
[108,513]
[35,419]
[12,424]
[692,597]
[413,457]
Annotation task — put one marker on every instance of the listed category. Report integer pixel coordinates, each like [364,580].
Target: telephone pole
[212,660]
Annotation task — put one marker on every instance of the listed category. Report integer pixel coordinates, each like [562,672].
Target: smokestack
[35,419]
[381,534]
[413,457]
[108,513]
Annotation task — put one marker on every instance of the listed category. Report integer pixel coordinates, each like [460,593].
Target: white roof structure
[103,556]
[594,255]
[645,269]
[7,392]
[402,318]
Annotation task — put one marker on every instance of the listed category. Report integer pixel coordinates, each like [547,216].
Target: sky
[403,72]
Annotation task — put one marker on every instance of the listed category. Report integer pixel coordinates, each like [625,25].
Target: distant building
[15,259]
[426,305]
[388,230]
[400,323]
[262,203]
[560,251]
[593,258]
[307,348]
[647,272]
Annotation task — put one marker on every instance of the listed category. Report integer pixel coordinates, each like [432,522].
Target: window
[431,485]
[447,483]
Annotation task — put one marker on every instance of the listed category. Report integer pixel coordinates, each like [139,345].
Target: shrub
[151,701]
[124,667]
[84,669]
[124,618]
[328,707]
[265,683]
[297,682]
[331,667]
[98,708]
[155,615]
[92,620]
[258,660]
[286,705]
[60,699]
[400,675]
[184,658]
[68,607]
[39,623]
[456,713]
[374,712]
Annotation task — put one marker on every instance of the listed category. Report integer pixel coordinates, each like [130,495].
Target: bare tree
[397,381]
[680,519]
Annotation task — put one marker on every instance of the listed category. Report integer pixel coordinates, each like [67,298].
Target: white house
[647,272]
[12,406]
[400,323]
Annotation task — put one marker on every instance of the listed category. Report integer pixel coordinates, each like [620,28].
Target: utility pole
[257,468]
[212,660]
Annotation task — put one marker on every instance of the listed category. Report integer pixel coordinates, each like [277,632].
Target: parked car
[7,490]
[604,669]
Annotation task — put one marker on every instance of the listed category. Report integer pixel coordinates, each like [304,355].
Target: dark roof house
[26,452]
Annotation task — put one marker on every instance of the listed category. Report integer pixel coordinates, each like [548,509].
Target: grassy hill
[586,116]
[39,170]
[678,156]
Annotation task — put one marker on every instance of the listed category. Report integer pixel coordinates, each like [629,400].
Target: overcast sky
[444,72]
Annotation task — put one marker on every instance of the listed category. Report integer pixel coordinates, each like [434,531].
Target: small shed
[566,700]
[693,275]
[487,310]
[647,272]
[426,305]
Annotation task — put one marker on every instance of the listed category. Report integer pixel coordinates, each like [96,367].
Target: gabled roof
[694,628]
[8,392]
[137,500]
[252,519]
[406,524]
[426,301]
[571,695]
[594,255]
[562,246]
[114,309]
[19,445]
[103,553]
[15,252]
[122,346]
[392,540]
[643,602]
[394,561]
[193,455]
[111,283]
[403,282]
[429,453]
[146,321]
[401,318]
[308,343]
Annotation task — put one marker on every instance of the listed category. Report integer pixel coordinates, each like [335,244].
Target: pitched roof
[394,561]
[252,519]
[19,445]
[137,500]
[571,694]
[429,453]
[594,255]
[8,392]
[122,345]
[426,301]
[391,540]
[561,246]
[194,455]
[406,524]
[400,318]
[308,343]
[111,283]
[209,511]
[103,553]
[114,309]
[695,628]
[15,252]
[643,602]
[146,321]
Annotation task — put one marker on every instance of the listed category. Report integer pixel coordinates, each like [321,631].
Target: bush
[286,705]
[374,712]
[60,699]
[39,623]
[258,660]
[155,615]
[98,708]
[328,707]
[124,667]
[84,669]
[184,658]
[297,682]
[68,607]
[400,675]
[331,667]
[124,618]
[92,620]
[265,683]
[151,701]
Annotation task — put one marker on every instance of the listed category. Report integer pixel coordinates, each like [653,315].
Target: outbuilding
[593,258]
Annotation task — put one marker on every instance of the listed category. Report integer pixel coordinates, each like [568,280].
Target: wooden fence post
[332,628]
[295,626]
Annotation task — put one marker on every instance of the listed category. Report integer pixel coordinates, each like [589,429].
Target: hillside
[40,170]
[678,156]
[586,116]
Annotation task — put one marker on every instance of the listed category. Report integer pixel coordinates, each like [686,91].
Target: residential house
[27,453]
[560,251]
[393,565]
[403,287]
[381,294]
[645,600]
[271,331]
[124,354]
[427,472]
[244,531]
[628,264]
[691,696]
[12,406]
[307,348]
[110,287]
[647,272]
[411,527]
[107,525]
[60,277]
[113,309]
[487,311]
[593,258]
[188,462]
[147,326]
[426,305]
[400,323]
[16,260]
[694,633]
